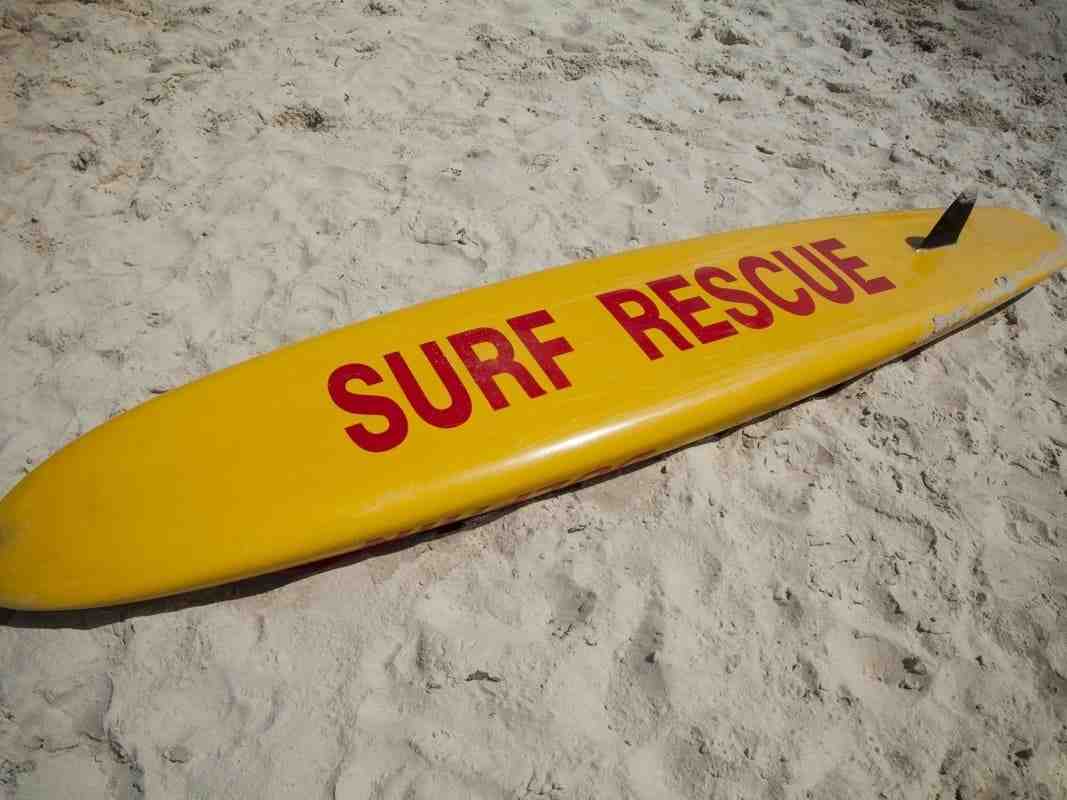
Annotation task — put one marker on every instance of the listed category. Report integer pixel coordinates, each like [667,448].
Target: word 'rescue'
[756,308]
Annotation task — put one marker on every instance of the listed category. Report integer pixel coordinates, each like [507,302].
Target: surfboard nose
[19,589]
[34,575]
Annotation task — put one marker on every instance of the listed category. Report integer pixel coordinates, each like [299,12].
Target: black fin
[947,230]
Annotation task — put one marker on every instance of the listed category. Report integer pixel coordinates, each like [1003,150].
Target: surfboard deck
[472,402]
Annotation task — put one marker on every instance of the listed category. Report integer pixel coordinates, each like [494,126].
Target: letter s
[353,403]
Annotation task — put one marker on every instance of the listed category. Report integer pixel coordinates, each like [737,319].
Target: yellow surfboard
[472,402]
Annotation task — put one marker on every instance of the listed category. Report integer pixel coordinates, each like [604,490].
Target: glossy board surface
[475,401]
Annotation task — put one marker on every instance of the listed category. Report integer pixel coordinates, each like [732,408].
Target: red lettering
[648,319]
[840,292]
[544,352]
[850,266]
[458,409]
[761,315]
[687,308]
[751,265]
[353,403]
[483,370]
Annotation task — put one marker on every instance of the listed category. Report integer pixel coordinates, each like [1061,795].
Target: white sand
[863,596]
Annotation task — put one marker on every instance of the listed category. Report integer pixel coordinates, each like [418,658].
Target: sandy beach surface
[863,596]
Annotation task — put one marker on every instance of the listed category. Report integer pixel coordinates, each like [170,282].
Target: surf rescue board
[442,411]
